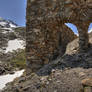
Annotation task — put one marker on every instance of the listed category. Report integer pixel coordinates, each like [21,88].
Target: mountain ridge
[12,44]
[7,23]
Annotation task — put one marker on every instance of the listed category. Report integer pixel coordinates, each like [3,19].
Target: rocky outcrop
[73,46]
[87,83]
[46,34]
[6,68]
[20,33]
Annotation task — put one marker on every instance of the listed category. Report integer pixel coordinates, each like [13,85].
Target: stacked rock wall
[46,35]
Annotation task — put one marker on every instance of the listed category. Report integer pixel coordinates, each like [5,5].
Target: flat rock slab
[87,82]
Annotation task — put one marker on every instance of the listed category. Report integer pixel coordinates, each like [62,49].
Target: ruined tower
[46,34]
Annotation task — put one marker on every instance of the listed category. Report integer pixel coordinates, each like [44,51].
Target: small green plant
[19,60]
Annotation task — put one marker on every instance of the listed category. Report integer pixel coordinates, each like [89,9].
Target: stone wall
[46,34]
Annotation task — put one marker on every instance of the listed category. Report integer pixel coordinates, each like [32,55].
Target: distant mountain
[12,46]
[7,23]
[11,36]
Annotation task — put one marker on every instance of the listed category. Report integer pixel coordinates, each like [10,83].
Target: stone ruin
[46,33]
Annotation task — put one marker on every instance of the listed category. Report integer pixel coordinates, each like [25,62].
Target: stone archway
[90,28]
[45,28]
[72,27]
[79,12]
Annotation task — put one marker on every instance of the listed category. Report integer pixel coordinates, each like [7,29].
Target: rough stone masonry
[46,34]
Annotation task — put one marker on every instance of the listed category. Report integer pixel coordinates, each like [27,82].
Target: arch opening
[72,27]
[90,28]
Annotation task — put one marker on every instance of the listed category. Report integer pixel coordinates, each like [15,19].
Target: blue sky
[74,28]
[13,10]
[16,10]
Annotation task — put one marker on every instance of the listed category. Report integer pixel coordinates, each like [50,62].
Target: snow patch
[9,78]
[14,45]
[11,25]
[10,29]
[3,23]
[4,32]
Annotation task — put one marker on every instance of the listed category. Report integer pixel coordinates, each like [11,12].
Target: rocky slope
[62,75]
[11,43]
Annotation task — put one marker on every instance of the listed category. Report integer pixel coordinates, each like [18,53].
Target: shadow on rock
[82,60]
